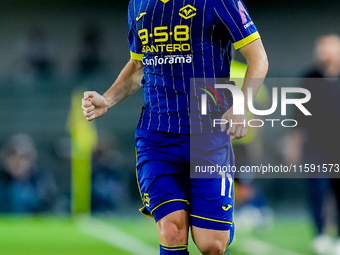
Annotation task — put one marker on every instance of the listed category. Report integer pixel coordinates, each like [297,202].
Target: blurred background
[51,51]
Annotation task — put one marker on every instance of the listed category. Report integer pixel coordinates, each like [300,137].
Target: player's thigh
[211,192]
[211,213]
[212,203]
[210,241]
[165,199]
[173,228]
[161,175]
[162,193]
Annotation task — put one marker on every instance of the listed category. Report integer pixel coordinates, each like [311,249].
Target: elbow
[262,58]
[265,64]
[260,64]
[256,58]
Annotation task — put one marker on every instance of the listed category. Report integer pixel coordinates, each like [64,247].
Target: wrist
[108,101]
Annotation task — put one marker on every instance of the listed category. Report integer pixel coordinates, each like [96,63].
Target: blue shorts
[166,182]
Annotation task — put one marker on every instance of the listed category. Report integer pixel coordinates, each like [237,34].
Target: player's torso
[178,38]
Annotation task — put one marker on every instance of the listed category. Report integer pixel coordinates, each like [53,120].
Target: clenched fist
[94,105]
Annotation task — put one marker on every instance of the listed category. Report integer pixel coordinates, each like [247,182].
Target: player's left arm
[257,63]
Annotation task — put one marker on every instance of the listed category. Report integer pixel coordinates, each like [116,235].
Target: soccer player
[305,145]
[172,43]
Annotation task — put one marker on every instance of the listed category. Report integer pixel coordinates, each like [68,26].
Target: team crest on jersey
[187,12]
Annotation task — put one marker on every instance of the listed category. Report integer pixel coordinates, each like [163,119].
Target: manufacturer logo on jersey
[226,208]
[140,16]
[187,12]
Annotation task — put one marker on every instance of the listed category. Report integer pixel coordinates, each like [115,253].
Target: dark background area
[40,108]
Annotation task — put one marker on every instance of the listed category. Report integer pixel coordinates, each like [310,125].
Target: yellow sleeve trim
[172,200]
[246,41]
[203,218]
[136,56]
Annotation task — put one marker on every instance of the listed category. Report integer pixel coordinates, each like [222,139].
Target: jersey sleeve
[133,39]
[232,17]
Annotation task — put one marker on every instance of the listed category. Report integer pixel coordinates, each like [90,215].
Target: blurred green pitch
[48,235]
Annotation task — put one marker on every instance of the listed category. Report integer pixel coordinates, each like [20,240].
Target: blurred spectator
[25,187]
[107,181]
[89,58]
[317,139]
[35,56]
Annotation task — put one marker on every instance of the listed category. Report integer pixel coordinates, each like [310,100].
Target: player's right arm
[128,82]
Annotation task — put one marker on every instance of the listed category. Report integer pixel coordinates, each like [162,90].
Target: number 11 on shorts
[223,188]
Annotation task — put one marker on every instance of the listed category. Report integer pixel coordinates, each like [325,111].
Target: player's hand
[94,105]
[236,131]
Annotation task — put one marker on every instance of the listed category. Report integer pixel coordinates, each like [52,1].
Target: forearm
[127,83]
[257,63]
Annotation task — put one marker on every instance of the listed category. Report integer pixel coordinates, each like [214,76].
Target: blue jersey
[179,40]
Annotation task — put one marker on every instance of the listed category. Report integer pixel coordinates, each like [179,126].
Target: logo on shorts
[187,12]
[226,208]
[146,199]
